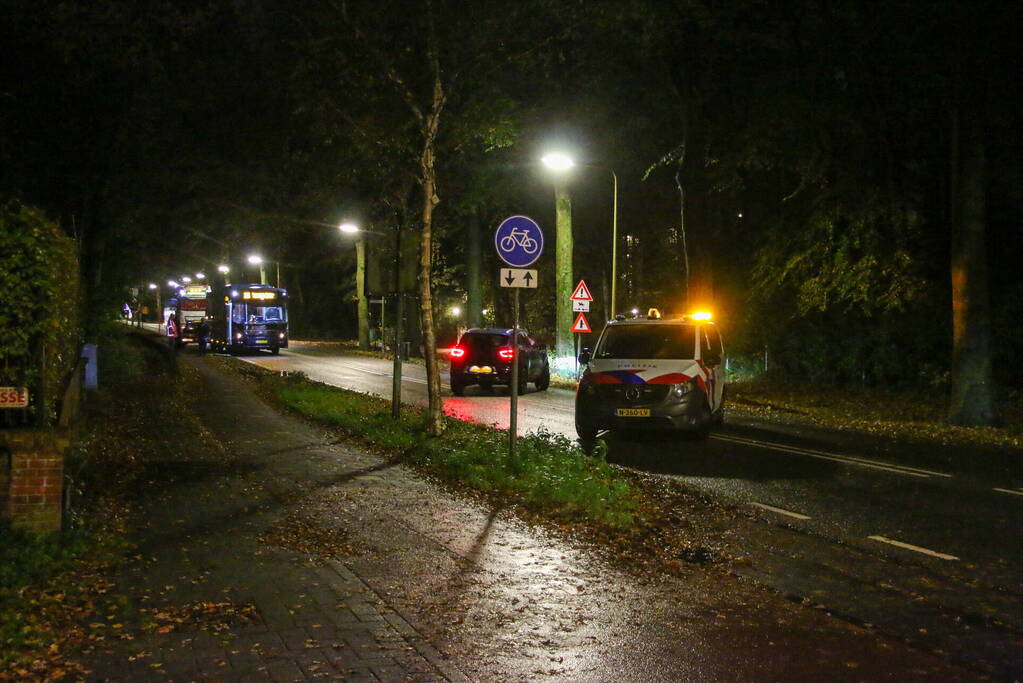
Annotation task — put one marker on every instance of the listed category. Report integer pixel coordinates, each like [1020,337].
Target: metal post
[399,314]
[614,247]
[513,419]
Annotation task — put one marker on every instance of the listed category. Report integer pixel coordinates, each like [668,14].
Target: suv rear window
[484,342]
[647,341]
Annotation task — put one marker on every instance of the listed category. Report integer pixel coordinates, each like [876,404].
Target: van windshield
[675,342]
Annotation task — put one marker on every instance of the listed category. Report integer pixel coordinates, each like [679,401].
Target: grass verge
[549,472]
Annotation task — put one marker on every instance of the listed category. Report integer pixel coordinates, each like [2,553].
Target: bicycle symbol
[519,238]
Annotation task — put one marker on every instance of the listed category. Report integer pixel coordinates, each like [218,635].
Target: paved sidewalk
[424,586]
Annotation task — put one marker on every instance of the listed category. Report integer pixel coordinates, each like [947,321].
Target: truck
[184,313]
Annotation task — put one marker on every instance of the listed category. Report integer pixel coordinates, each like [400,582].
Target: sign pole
[513,419]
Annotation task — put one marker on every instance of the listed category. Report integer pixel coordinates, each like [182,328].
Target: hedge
[39,304]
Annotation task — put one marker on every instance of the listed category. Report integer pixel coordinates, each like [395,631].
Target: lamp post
[360,281]
[399,309]
[224,270]
[562,163]
[257,260]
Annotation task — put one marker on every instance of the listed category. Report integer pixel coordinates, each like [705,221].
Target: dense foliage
[39,307]
[799,165]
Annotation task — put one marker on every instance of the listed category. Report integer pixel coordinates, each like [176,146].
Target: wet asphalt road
[929,554]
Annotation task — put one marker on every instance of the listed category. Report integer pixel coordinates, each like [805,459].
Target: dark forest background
[811,170]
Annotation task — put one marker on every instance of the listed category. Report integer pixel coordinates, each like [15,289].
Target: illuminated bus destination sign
[259,296]
[195,292]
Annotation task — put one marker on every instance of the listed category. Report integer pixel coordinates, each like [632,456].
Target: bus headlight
[238,335]
[280,336]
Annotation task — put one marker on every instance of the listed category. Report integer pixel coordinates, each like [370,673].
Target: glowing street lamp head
[557,161]
[186,279]
[255,259]
[455,310]
[223,269]
[349,228]
[200,276]
[152,285]
[172,283]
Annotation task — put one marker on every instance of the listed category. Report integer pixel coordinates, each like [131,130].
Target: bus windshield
[251,313]
[675,342]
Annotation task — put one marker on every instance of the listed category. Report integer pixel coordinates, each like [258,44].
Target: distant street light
[172,283]
[186,279]
[257,260]
[200,276]
[224,270]
[349,228]
[559,162]
[152,285]
[456,311]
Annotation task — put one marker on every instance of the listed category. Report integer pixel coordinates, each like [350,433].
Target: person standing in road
[203,332]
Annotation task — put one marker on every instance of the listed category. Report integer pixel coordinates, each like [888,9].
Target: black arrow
[510,278]
[527,277]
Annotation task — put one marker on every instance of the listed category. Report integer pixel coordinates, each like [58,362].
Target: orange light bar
[701,315]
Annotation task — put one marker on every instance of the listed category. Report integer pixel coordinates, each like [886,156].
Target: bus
[184,314]
[248,317]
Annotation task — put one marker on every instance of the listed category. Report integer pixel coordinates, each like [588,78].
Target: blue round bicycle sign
[519,241]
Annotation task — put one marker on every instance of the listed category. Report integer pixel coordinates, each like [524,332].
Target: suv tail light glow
[457,352]
[505,353]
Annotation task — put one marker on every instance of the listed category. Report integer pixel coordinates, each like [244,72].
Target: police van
[652,373]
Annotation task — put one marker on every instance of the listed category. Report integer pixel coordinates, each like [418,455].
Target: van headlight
[679,391]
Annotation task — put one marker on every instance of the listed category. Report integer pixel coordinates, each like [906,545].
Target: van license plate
[632,412]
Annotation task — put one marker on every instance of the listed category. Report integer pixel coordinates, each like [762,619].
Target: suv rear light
[457,352]
[505,353]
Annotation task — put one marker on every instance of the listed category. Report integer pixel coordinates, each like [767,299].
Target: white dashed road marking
[914,548]
[846,459]
[781,511]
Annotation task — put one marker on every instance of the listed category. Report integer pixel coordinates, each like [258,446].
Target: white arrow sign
[518,277]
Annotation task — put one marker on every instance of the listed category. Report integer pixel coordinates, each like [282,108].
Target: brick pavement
[313,618]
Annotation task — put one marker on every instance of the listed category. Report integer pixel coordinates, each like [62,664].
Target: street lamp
[172,283]
[257,260]
[200,276]
[224,270]
[186,279]
[456,311]
[559,162]
[350,228]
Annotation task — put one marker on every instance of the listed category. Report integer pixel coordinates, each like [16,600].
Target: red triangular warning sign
[580,324]
[581,293]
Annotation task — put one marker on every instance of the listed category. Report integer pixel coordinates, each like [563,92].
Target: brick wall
[35,483]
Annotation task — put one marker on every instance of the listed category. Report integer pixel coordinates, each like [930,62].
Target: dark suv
[484,357]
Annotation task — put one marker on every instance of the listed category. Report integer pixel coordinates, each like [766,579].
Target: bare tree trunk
[435,413]
[360,294]
[972,401]
[563,276]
